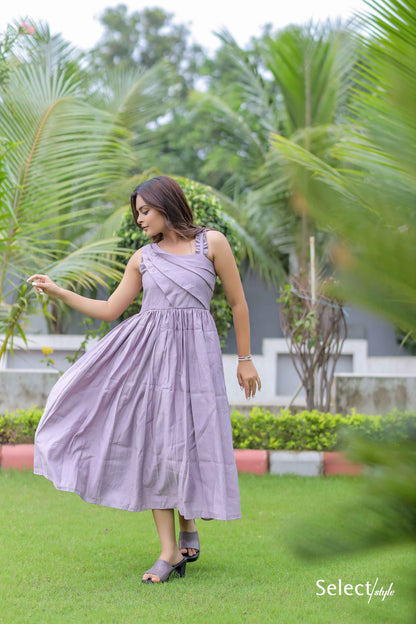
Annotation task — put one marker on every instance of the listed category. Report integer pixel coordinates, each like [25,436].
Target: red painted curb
[336,462]
[254,461]
[17,456]
[20,457]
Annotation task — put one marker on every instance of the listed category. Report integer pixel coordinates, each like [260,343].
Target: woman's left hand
[248,378]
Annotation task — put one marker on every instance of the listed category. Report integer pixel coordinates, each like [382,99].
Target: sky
[78,20]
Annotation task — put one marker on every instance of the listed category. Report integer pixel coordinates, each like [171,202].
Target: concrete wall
[32,356]
[20,389]
[375,394]
[280,380]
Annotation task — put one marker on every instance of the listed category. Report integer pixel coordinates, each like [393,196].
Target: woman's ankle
[187,525]
[172,555]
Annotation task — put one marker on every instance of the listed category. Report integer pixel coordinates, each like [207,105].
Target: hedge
[19,427]
[314,430]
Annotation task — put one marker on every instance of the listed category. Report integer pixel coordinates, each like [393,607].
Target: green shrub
[19,427]
[208,212]
[315,430]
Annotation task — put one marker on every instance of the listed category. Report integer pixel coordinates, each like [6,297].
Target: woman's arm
[219,251]
[109,310]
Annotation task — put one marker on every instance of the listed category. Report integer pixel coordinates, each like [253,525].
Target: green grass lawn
[62,560]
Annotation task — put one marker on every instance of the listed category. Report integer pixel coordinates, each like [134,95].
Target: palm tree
[67,156]
[294,84]
[367,197]
[311,67]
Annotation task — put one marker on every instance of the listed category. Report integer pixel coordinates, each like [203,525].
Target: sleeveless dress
[142,421]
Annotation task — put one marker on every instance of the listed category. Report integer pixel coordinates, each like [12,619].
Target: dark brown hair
[166,196]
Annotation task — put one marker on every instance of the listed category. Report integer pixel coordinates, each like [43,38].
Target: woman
[141,421]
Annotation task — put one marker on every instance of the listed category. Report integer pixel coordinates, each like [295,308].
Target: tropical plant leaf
[366,197]
[69,151]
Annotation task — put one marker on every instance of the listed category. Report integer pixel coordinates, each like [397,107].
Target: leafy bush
[207,211]
[19,427]
[315,430]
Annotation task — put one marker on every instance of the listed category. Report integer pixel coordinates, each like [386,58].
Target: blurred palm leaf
[135,97]
[367,196]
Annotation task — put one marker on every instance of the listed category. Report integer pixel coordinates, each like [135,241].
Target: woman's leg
[187,525]
[165,524]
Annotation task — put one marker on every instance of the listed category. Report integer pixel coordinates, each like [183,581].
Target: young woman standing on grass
[142,420]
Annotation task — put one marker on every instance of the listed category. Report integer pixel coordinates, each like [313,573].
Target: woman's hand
[248,378]
[44,284]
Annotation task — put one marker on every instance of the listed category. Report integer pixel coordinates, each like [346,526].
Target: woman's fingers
[250,385]
[40,283]
[36,276]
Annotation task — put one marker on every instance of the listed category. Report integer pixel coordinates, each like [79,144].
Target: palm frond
[66,155]
[89,265]
[367,199]
[111,224]
[311,66]
[259,94]
[50,51]
[230,123]
[136,97]
[261,255]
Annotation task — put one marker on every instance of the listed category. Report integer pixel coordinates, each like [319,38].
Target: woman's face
[150,219]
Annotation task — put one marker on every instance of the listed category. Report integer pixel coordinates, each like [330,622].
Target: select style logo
[359,589]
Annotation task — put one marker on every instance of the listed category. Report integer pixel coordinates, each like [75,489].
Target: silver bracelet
[244,358]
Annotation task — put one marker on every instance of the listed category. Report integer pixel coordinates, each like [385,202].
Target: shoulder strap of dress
[145,254]
[201,243]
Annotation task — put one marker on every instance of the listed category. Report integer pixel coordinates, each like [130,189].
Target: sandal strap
[161,568]
[189,539]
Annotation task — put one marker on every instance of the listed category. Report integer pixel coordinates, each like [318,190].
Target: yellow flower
[47,351]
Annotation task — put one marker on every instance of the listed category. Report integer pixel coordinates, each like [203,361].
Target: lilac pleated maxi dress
[142,421]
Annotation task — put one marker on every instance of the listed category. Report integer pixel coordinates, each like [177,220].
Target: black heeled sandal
[163,570]
[189,539]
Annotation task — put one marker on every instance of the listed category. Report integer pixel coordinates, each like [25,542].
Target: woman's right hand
[44,284]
